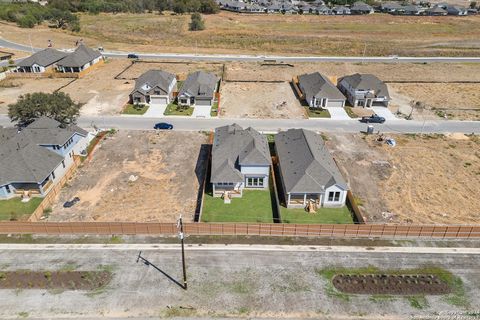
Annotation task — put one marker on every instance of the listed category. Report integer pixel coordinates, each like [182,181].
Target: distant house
[154,87]
[391,7]
[360,7]
[436,11]
[319,92]
[308,172]
[240,160]
[364,90]
[340,10]
[79,60]
[33,159]
[40,61]
[457,10]
[413,10]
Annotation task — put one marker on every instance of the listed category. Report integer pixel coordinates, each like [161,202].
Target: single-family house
[391,7]
[413,10]
[33,159]
[322,9]
[240,160]
[5,55]
[79,60]
[341,10]
[360,7]
[436,11]
[364,90]
[154,87]
[307,170]
[40,61]
[198,91]
[319,91]
[457,10]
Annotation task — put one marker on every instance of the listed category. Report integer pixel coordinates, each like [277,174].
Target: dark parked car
[163,126]
[132,56]
[373,119]
[71,203]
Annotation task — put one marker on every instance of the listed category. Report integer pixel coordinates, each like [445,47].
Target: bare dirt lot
[11,89]
[99,91]
[179,68]
[137,176]
[260,100]
[424,179]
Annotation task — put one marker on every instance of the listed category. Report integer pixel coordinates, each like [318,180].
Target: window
[8,189]
[334,196]
[184,101]
[53,174]
[63,163]
[255,182]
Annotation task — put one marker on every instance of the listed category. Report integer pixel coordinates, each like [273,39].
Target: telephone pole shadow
[148,263]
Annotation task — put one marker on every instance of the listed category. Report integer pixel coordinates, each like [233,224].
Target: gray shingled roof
[22,159]
[154,78]
[199,84]
[317,85]
[368,82]
[81,56]
[361,6]
[305,163]
[233,146]
[43,58]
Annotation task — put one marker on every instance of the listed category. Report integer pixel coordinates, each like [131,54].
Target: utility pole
[182,236]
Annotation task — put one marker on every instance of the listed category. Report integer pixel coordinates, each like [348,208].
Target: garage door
[203,102]
[158,100]
[336,104]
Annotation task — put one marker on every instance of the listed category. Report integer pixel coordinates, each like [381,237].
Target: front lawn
[214,111]
[174,109]
[323,215]
[15,209]
[135,109]
[253,206]
[317,113]
[350,112]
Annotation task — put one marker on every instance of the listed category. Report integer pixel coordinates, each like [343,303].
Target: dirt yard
[99,91]
[137,176]
[11,89]
[424,179]
[179,68]
[260,100]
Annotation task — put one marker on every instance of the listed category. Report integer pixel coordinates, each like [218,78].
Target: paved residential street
[226,280]
[326,125]
[230,57]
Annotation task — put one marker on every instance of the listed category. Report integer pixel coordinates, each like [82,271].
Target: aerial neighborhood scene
[252,159]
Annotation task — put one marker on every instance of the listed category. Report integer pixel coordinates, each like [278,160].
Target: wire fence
[246,229]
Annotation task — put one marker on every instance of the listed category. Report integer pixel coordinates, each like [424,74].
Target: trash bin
[369,129]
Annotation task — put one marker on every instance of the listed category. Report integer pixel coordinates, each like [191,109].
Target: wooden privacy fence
[240,229]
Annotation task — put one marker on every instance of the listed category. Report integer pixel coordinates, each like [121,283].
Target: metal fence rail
[241,229]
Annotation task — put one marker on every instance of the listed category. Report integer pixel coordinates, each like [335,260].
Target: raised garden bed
[398,284]
[65,280]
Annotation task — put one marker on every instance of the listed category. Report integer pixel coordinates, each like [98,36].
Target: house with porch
[319,91]
[79,60]
[198,91]
[240,160]
[41,61]
[154,87]
[364,90]
[33,159]
[308,173]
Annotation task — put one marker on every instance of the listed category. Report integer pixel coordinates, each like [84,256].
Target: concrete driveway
[384,112]
[155,110]
[201,112]
[338,113]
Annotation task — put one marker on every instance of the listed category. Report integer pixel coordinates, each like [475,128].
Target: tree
[473,4]
[31,106]
[196,22]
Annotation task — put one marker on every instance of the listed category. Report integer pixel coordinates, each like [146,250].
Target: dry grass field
[424,179]
[377,34]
